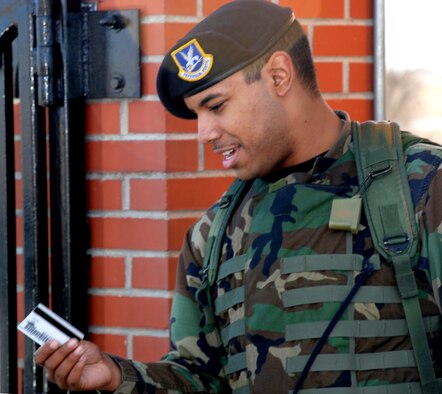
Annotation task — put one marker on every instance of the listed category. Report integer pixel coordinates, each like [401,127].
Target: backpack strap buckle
[397,243]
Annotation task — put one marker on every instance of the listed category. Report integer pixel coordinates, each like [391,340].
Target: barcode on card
[42,325]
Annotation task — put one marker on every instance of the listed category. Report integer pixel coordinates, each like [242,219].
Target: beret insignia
[192,62]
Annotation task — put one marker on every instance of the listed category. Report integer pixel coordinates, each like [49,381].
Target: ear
[281,71]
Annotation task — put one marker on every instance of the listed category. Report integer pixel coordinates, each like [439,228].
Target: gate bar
[68,184]
[35,199]
[8,276]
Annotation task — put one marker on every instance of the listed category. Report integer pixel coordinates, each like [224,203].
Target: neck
[316,130]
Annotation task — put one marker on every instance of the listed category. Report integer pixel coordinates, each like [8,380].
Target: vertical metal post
[379,59]
[68,194]
[8,280]
[35,212]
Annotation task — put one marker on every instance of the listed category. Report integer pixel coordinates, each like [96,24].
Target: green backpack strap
[389,210]
[212,251]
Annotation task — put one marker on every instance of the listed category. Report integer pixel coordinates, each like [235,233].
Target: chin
[243,176]
[247,175]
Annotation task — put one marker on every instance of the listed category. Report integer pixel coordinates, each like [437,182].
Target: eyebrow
[208,98]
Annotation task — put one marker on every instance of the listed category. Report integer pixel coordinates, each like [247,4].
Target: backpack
[378,148]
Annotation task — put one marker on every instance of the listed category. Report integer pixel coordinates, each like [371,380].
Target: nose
[208,131]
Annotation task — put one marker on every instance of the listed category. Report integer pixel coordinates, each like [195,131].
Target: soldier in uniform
[252,323]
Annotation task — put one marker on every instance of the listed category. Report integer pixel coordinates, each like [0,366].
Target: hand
[78,366]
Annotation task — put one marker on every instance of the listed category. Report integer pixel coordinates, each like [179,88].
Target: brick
[102,118]
[315,8]
[343,41]
[361,9]
[19,269]
[20,380]
[20,336]
[152,7]
[128,233]
[134,312]
[152,117]
[174,32]
[149,349]
[16,110]
[358,109]
[18,194]
[20,306]
[329,76]
[177,229]
[125,156]
[154,273]
[146,117]
[182,7]
[361,77]
[178,125]
[195,193]
[107,272]
[158,38]
[148,194]
[149,73]
[141,156]
[182,155]
[19,230]
[176,194]
[17,156]
[211,5]
[21,346]
[145,7]
[114,344]
[104,194]
[152,39]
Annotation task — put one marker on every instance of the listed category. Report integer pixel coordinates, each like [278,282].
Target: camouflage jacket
[282,276]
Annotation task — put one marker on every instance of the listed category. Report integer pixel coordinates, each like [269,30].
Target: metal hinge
[98,52]
[44,53]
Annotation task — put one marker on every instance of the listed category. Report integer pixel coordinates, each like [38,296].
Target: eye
[216,108]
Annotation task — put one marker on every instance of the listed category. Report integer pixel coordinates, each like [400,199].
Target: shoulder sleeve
[425,172]
[195,361]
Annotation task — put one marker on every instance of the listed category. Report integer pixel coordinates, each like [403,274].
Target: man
[246,73]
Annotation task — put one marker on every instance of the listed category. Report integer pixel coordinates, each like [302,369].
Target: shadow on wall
[413,100]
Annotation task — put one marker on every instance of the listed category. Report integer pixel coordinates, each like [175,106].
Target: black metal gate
[46,55]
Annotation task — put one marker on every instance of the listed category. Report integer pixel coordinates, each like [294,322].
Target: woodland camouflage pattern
[283,274]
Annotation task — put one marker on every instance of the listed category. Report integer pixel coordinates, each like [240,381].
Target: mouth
[229,155]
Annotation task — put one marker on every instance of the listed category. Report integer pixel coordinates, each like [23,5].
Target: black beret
[223,43]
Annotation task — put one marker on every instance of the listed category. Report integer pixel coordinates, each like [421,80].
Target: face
[246,125]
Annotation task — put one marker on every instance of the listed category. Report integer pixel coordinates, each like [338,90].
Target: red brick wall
[148,179]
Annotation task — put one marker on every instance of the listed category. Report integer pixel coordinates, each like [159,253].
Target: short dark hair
[296,44]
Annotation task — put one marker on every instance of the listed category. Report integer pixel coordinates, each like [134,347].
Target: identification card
[42,325]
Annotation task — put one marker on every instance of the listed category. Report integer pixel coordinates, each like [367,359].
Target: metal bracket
[113,54]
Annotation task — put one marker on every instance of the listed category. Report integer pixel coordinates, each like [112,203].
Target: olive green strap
[384,187]
[338,293]
[389,209]
[395,388]
[212,252]
[353,362]
[357,328]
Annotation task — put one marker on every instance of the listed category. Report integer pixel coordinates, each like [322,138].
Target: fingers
[45,351]
[63,363]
